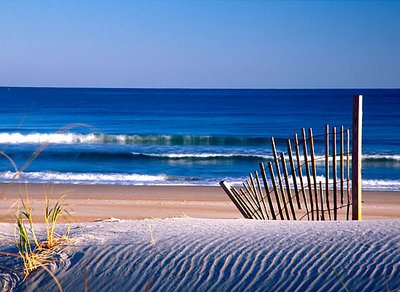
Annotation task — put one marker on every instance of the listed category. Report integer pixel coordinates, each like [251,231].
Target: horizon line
[208,88]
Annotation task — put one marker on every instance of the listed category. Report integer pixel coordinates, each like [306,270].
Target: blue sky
[200,44]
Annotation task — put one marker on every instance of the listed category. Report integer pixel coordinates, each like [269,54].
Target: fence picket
[261,194]
[278,173]
[327,170]
[303,132]
[296,190]
[314,171]
[251,199]
[287,185]
[335,206]
[303,190]
[268,194]
[271,171]
[341,167]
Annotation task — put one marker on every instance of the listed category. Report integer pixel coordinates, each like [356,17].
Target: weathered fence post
[250,200]
[356,157]
[228,191]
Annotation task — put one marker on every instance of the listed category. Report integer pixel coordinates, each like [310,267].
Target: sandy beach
[186,238]
[97,202]
[219,255]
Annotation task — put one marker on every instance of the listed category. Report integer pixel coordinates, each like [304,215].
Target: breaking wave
[161,179]
[16,138]
[83,178]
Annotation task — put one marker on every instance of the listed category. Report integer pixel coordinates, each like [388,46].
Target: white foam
[381,156]
[201,155]
[83,178]
[16,138]
[163,179]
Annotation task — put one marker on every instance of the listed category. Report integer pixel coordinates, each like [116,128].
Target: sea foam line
[161,179]
[320,159]
[202,155]
[76,138]
[75,178]
[14,138]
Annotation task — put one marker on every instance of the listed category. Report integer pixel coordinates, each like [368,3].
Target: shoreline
[89,203]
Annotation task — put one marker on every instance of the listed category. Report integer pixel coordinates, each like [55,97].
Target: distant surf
[178,136]
[129,139]
[161,179]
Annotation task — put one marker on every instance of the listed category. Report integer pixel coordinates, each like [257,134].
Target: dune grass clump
[33,252]
[51,216]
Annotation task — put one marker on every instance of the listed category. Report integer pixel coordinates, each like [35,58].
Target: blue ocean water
[183,136]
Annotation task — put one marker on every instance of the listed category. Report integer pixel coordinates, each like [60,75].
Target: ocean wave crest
[82,178]
[381,157]
[161,179]
[17,138]
[202,155]
[132,139]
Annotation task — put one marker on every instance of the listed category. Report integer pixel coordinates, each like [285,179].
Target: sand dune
[223,255]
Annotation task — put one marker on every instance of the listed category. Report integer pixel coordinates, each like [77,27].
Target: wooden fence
[294,191]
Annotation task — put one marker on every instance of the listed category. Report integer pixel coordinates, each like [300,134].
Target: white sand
[221,255]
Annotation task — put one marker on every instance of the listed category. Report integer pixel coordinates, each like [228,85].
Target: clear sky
[200,44]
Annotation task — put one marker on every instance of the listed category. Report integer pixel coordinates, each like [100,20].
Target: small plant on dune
[28,215]
[51,216]
[31,257]
[35,253]
[334,270]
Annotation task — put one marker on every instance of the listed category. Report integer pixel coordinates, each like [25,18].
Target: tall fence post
[356,157]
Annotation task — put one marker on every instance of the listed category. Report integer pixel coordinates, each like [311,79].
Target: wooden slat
[228,191]
[240,200]
[327,170]
[258,196]
[348,173]
[267,191]
[294,177]
[335,206]
[252,191]
[268,194]
[303,190]
[278,173]
[243,203]
[252,208]
[261,193]
[341,167]
[303,132]
[244,197]
[253,197]
[356,157]
[285,173]
[322,201]
[271,171]
[314,171]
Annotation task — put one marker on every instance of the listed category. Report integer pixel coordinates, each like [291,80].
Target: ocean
[182,136]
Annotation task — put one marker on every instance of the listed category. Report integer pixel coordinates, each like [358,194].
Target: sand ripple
[229,255]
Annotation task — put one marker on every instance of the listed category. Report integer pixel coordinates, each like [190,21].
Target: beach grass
[34,252]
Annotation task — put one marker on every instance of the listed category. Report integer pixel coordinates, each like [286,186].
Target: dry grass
[36,253]
[33,252]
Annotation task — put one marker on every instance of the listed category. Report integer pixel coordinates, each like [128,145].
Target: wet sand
[99,202]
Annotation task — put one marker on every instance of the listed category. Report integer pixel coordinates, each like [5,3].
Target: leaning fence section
[288,187]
